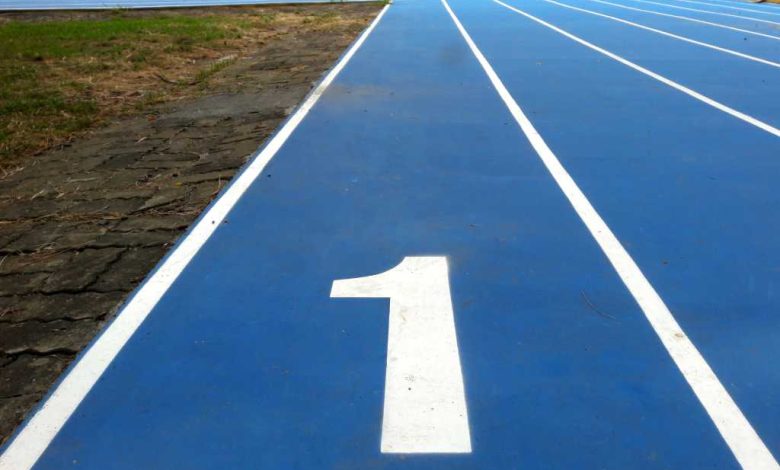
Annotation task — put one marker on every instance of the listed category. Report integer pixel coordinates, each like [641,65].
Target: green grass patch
[104,38]
[62,74]
[51,70]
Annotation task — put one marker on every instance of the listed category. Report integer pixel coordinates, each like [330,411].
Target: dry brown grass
[62,74]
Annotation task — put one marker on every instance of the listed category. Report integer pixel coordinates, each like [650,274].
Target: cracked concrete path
[81,226]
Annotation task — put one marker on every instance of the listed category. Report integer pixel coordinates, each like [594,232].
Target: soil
[82,225]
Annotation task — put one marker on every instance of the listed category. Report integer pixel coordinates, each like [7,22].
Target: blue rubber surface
[764,21]
[247,362]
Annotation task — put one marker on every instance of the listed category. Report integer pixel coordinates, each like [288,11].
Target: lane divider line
[32,440]
[730,7]
[668,34]
[741,17]
[688,18]
[738,433]
[666,81]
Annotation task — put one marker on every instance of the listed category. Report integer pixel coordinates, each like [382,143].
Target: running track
[577,218]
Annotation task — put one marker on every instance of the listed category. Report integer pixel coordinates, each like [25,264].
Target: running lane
[747,86]
[690,190]
[757,22]
[753,6]
[246,362]
[758,10]
[765,47]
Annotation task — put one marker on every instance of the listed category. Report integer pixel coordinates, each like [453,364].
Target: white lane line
[666,33]
[741,17]
[715,104]
[687,18]
[739,435]
[40,430]
[730,7]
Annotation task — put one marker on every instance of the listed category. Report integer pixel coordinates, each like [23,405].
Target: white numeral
[425,405]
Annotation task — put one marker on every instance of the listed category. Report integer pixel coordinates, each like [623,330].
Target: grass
[55,75]
[62,75]
[106,38]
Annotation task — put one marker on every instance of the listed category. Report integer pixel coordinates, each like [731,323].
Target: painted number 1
[425,405]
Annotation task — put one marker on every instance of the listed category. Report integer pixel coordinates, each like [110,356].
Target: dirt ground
[81,225]
[62,73]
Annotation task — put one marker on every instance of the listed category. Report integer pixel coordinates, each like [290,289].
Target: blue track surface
[246,361]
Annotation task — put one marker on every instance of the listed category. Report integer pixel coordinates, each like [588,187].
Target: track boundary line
[668,34]
[666,81]
[688,18]
[741,17]
[748,448]
[39,430]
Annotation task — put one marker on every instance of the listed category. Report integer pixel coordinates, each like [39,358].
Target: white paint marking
[687,18]
[671,35]
[715,104]
[739,435]
[39,431]
[730,7]
[707,11]
[425,404]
